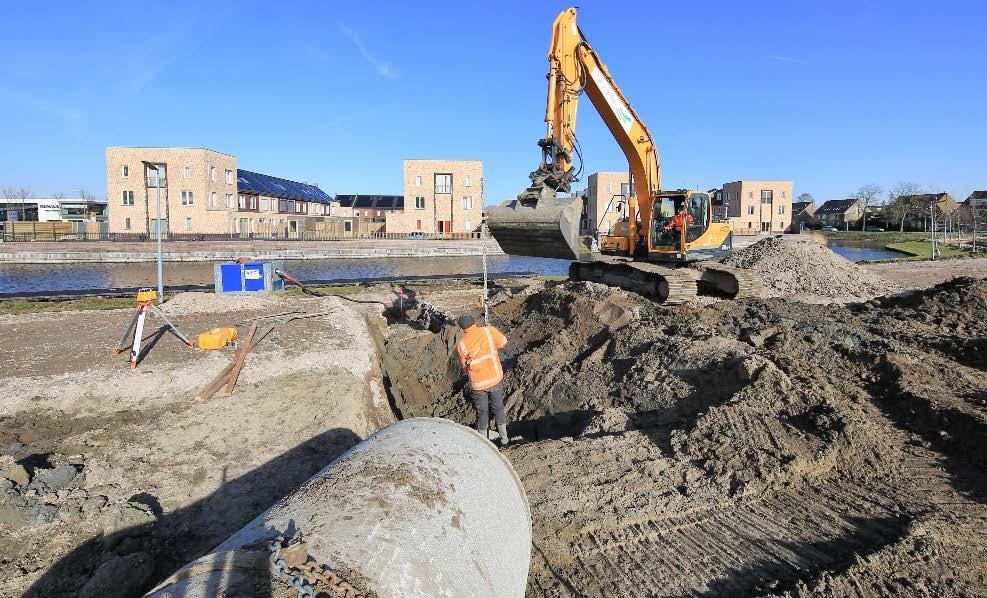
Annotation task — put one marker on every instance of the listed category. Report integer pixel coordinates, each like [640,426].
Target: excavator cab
[673,210]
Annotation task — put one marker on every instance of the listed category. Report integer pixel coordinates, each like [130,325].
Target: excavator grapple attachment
[539,224]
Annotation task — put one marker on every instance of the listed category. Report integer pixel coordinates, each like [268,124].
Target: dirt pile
[740,447]
[808,269]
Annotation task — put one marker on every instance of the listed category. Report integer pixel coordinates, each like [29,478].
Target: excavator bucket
[540,224]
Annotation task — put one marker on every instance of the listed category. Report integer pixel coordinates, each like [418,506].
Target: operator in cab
[477,351]
[679,220]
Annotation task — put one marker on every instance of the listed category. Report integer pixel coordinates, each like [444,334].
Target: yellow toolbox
[217,338]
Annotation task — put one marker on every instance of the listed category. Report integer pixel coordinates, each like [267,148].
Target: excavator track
[665,285]
[735,283]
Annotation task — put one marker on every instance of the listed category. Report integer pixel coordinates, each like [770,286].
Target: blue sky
[831,94]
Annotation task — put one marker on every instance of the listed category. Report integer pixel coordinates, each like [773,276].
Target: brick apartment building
[758,206]
[605,191]
[203,192]
[440,197]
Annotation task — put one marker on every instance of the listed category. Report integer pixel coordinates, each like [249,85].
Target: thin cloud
[67,114]
[786,59]
[383,68]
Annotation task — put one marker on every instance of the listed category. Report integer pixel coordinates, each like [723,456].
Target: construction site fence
[45,234]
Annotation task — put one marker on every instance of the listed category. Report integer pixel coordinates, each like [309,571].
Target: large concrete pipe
[424,507]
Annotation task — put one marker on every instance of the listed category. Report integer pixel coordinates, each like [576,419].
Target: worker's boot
[502,429]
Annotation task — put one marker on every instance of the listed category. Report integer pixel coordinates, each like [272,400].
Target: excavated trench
[725,448]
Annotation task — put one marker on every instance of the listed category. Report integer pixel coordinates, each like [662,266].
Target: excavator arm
[539,222]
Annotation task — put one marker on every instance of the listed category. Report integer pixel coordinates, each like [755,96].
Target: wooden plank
[240,359]
[220,380]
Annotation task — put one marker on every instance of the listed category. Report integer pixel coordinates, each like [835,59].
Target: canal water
[15,278]
[66,277]
[856,251]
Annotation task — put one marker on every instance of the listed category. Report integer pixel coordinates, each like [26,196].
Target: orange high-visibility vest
[478,353]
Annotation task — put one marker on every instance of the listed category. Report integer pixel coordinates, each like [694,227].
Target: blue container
[247,278]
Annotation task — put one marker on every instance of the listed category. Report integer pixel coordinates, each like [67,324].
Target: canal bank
[53,278]
[71,252]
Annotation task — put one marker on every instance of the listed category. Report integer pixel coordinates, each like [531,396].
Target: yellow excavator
[659,232]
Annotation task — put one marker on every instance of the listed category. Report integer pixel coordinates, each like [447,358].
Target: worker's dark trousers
[485,401]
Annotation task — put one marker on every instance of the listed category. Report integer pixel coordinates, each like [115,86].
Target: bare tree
[900,205]
[58,196]
[805,197]
[971,216]
[85,194]
[867,195]
[18,193]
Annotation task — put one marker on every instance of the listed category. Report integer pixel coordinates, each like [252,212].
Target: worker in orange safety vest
[477,351]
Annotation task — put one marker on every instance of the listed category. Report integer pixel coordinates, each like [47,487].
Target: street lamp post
[157,226]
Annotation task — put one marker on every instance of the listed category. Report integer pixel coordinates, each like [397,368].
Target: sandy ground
[147,452]
[927,274]
[766,447]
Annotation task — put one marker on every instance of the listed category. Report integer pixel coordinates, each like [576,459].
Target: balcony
[152,181]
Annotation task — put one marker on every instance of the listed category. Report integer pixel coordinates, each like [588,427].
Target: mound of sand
[808,269]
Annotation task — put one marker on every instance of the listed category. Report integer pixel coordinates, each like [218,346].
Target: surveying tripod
[145,302]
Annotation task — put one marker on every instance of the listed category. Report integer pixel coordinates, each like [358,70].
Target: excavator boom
[544,220]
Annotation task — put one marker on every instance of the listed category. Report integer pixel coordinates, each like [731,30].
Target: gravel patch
[192,303]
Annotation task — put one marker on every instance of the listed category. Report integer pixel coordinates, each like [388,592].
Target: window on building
[767,196]
[229,200]
[188,225]
[469,181]
[347,226]
[186,198]
[750,210]
[212,199]
[229,176]
[419,203]
[443,183]
[158,175]
[781,224]
[469,226]
[291,205]
[127,198]
[750,195]
[283,205]
[125,171]
[418,180]
[212,173]
[781,209]
[468,202]
[418,224]
[263,205]
[187,172]
[126,223]
[378,213]
[253,202]
[609,187]
[783,195]
[241,202]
